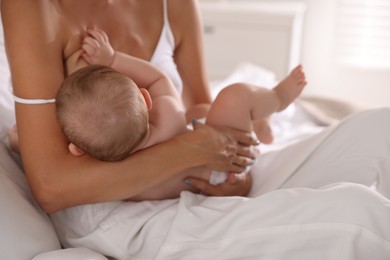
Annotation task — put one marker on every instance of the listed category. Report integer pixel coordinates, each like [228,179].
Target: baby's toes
[302,83]
[297,69]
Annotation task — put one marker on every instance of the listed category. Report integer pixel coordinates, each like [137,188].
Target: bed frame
[265,33]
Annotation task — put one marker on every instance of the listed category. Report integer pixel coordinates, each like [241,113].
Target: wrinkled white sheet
[284,224]
[323,198]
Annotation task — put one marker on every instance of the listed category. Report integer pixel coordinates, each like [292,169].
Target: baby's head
[102,112]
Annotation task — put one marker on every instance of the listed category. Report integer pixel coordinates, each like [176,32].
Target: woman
[299,208]
[42,36]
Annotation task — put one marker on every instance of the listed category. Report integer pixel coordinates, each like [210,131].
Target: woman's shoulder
[27,21]
[183,15]
[29,14]
[179,9]
[32,8]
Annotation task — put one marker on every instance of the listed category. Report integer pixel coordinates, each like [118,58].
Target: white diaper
[217,177]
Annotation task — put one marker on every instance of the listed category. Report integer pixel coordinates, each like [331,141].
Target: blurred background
[344,45]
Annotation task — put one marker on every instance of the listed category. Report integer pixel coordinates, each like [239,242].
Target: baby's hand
[97,48]
[75,62]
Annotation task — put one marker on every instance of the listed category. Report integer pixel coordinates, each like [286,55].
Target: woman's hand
[237,184]
[226,150]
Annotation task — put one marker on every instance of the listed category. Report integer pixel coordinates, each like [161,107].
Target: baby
[112,112]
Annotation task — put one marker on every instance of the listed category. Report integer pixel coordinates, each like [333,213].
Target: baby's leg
[263,130]
[238,105]
[286,91]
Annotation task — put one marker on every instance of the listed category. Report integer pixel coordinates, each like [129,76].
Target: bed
[28,233]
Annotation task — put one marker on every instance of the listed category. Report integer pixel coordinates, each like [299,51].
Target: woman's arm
[187,27]
[35,43]
[188,33]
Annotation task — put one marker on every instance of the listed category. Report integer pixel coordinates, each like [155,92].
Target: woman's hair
[102,112]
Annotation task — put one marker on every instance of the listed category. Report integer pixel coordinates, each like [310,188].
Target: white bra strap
[34,101]
[165,7]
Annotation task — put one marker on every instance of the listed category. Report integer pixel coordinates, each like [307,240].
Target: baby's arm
[166,118]
[98,50]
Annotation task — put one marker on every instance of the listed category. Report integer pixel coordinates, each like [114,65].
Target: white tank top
[161,58]
[163,54]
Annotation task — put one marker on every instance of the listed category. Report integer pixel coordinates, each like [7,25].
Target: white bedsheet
[234,230]
[339,220]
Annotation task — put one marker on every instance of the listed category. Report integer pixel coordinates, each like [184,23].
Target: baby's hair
[101,111]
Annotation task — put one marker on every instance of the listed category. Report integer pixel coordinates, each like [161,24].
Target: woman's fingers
[240,157]
[229,154]
[242,162]
[241,137]
[237,162]
[235,168]
[236,185]
[245,138]
[204,187]
[248,151]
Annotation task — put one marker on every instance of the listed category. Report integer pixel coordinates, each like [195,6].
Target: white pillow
[26,230]
[7,110]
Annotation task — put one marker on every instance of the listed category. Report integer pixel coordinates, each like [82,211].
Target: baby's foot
[263,131]
[291,87]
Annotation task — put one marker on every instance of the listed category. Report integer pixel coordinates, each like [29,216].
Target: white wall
[325,76]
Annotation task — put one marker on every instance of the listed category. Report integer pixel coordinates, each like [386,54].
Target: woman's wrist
[197,111]
[191,148]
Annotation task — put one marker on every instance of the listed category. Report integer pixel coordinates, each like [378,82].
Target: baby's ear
[73,149]
[148,99]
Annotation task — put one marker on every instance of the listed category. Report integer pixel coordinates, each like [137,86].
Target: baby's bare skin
[287,91]
[290,87]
